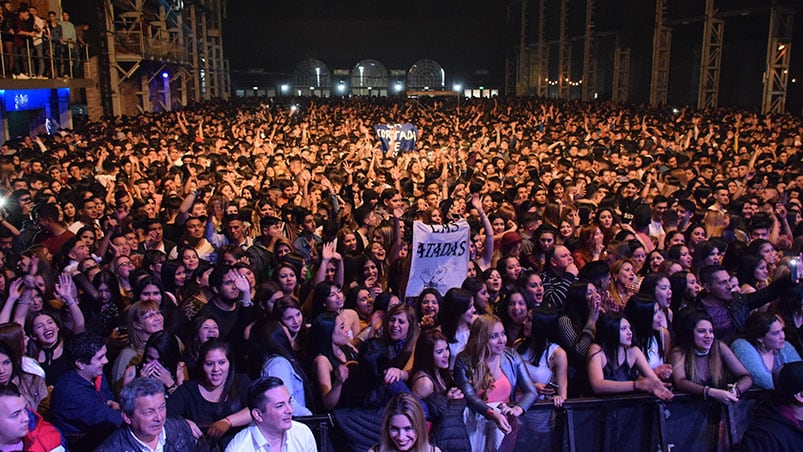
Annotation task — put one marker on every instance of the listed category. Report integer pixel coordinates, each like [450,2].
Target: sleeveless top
[653,355]
[621,373]
[540,371]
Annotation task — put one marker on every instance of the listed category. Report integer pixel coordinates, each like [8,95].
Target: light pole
[458,87]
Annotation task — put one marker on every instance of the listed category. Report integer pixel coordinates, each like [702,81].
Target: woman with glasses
[144,319]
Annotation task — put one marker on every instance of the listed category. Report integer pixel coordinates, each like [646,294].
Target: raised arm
[67,292]
[488,249]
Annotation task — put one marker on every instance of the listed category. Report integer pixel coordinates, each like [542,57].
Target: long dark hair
[282,305]
[319,295]
[650,282]
[428,291]
[110,280]
[678,282]
[168,275]
[608,335]
[684,332]
[194,343]
[544,330]
[269,337]
[640,311]
[321,337]
[473,286]
[423,360]
[167,345]
[230,397]
[16,361]
[747,269]
[576,306]
[455,304]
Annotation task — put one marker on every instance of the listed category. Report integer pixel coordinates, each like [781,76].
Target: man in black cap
[777,425]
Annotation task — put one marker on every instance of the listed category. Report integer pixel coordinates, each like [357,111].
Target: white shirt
[160,444]
[297,439]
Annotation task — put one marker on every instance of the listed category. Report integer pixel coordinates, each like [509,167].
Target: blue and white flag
[396,137]
[440,257]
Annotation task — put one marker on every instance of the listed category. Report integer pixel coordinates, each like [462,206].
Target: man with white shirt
[146,425]
[273,428]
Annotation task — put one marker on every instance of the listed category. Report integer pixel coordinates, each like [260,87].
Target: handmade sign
[440,257]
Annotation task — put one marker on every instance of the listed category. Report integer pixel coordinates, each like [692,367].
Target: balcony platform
[50,83]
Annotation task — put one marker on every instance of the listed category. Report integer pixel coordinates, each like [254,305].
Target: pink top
[500,391]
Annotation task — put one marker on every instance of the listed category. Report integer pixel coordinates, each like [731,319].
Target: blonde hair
[715,222]
[406,405]
[478,352]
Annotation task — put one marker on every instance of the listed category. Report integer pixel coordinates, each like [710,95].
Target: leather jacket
[514,368]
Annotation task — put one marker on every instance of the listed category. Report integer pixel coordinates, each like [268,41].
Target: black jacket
[771,431]
[179,439]
[740,306]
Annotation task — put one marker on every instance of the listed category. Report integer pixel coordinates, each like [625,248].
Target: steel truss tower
[589,54]
[621,75]
[523,83]
[661,48]
[711,59]
[564,52]
[157,58]
[542,79]
[779,49]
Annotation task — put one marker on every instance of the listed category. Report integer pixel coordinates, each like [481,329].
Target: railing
[612,424]
[151,42]
[50,59]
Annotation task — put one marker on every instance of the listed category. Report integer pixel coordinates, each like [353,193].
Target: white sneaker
[23,77]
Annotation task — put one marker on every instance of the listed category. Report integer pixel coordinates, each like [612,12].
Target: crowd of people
[237,264]
[38,47]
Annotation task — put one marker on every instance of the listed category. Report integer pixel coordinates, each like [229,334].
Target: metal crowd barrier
[320,426]
[611,424]
[67,64]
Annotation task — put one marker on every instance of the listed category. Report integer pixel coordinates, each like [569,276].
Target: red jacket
[42,436]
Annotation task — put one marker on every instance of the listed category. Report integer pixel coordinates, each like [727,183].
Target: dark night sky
[462,35]
[468,37]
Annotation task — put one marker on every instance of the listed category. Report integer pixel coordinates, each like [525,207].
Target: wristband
[705,392]
[228,421]
[634,385]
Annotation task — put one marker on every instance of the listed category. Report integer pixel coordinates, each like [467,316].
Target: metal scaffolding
[621,75]
[523,83]
[779,50]
[182,45]
[711,59]
[589,54]
[542,77]
[661,47]
[564,53]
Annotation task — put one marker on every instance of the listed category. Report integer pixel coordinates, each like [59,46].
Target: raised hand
[240,281]
[65,288]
